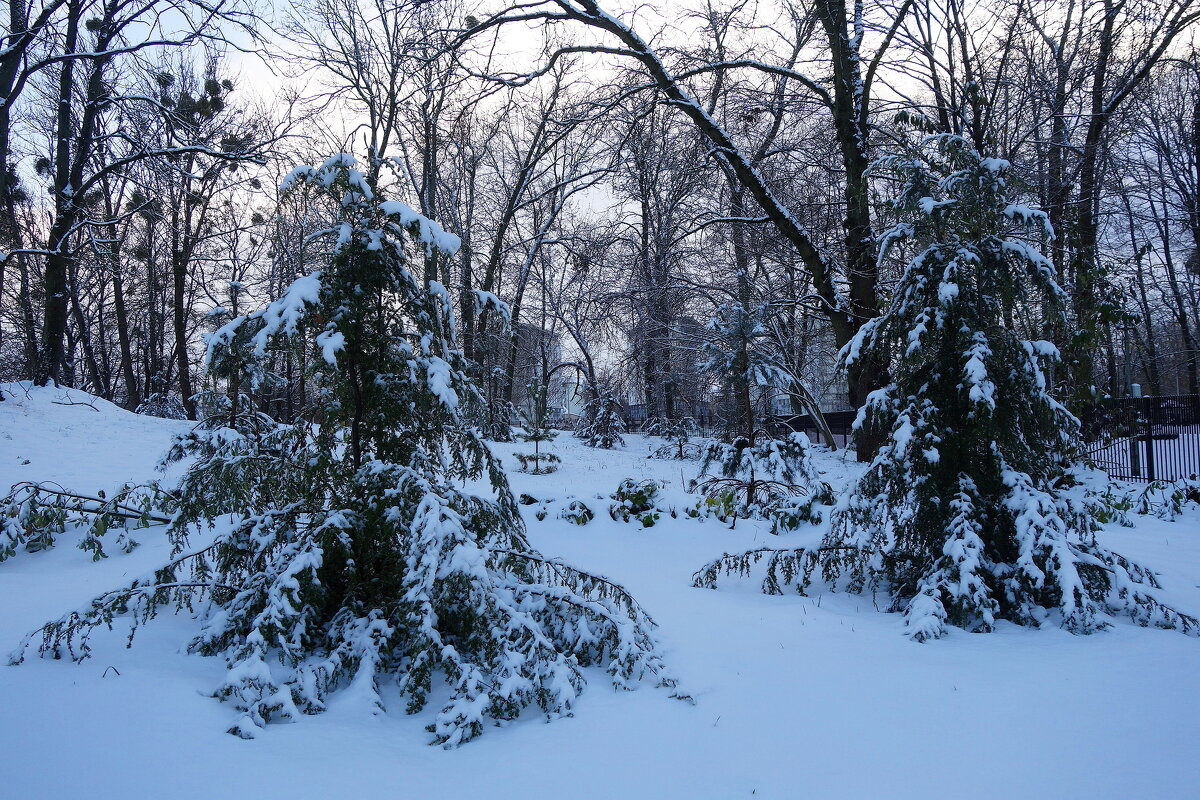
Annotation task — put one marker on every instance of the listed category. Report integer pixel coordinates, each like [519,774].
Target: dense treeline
[638,190]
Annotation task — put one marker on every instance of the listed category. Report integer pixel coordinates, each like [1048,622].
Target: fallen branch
[103,505]
[73,403]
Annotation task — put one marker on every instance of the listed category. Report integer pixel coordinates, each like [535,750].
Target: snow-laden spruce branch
[785,567]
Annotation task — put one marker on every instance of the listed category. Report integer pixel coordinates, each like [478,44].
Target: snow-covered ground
[796,697]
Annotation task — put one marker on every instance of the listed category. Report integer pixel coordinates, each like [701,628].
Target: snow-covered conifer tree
[357,554]
[537,430]
[962,515]
[739,360]
[679,435]
[754,473]
[602,423]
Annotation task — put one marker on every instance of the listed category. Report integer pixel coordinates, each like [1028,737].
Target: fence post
[1150,466]
[1135,445]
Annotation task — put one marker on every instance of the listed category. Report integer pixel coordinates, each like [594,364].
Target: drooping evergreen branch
[784,567]
[586,584]
[33,513]
[96,504]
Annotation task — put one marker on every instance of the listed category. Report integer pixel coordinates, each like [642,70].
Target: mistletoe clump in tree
[962,515]
[355,556]
[755,474]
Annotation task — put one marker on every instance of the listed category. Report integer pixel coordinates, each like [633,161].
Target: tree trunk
[850,123]
[179,312]
[133,395]
[54,278]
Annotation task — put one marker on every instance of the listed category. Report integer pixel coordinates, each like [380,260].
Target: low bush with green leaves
[577,513]
[1167,500]
[638,500]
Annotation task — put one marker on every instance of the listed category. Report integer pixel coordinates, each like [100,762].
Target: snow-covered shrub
[1103,500]
[33,514]
[602,423]
[1167,500]
[791,513]
[355,556]
[680,435]
[771,479]
[655,425]
[161,404]
[577,513]
[720,505]
[753,473]
[574,511]
[28,523]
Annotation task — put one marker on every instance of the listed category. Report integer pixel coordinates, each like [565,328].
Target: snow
[1026,215]
[818,696]
[982,390]
[440,381]
[902,435]
[68,436]
[284,315]
[1026,252]
[930,205]
[485,300]
[947,292]
[430,231]
[330,342]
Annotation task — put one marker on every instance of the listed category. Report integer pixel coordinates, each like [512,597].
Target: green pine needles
[754,474]
[377,542]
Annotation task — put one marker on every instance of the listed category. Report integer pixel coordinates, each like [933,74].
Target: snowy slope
[796,697]
[80,441]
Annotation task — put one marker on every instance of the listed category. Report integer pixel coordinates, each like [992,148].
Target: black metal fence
[1132,438]
[1145,438]
[636,415]
[841,424]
